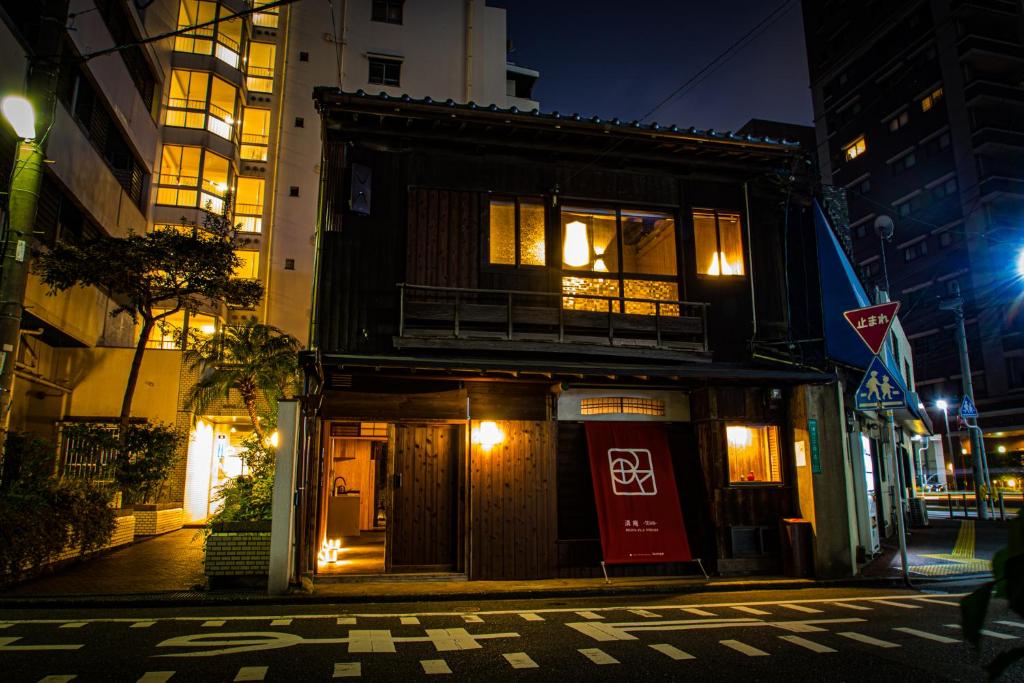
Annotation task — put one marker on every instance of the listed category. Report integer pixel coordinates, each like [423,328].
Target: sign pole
[898,474]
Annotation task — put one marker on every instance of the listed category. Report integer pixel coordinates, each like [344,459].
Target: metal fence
[83,458]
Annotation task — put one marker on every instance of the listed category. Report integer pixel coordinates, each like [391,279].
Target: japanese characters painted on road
[872,323]
[635,491]
[880,389]
[967,408]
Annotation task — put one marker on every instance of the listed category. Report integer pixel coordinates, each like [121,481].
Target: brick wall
[124,533]
[152,522]
[244,553]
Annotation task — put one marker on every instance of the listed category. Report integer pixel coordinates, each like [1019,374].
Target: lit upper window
[259,70]
[249,268]
[516,232]
[931,99]
[753,454]
[855,148]
[718,243]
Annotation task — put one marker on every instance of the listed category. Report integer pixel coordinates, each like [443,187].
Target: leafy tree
[256,360]
[153,276]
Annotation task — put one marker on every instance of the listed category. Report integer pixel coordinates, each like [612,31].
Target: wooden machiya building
[501,295]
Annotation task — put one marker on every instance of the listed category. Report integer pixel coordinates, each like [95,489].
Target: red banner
[635,490]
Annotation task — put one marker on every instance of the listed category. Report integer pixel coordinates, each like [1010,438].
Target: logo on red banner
[872,323]
[640,521]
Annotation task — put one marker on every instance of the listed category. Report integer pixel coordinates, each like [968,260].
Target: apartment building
[919,108]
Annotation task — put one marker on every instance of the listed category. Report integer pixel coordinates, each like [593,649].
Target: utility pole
[26,178]
[897,470]
[955,304]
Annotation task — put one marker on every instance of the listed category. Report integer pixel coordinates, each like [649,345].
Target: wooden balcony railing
[438,313]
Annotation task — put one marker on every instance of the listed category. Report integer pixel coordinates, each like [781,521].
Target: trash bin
[797,547]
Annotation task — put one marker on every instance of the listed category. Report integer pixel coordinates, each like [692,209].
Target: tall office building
[919,115]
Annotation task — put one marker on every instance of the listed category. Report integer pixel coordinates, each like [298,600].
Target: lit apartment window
[389,11]
[931,99]
[223,38]
[718,243]
[753,454]
[259,71]
[166,334]
[610,253]
[255,134]
[898,121]
[266,18]
[193,177]
[855,148]
[229,38]
[249,204]
[385,71]
[249,268]
[189,106]
[516,232]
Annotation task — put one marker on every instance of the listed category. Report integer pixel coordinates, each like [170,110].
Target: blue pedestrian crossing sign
[880,389]
[967,408]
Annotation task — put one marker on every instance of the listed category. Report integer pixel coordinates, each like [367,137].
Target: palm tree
[254,359]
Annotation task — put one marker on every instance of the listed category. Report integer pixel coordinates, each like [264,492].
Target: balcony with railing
[452,317]
[259,79]
[189,191]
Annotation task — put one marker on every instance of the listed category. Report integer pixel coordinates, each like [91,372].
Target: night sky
[621,58]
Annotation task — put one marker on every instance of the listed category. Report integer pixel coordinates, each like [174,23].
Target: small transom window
[385,71]
[855,148]
[629,405]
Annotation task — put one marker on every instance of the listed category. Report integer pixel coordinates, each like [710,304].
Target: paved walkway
[171,562]
[944,548]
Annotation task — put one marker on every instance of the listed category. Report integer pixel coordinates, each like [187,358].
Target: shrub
[249,498]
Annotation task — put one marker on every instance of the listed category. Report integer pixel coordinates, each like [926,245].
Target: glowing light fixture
[18,112]
[740,437]
[1011,482]
[1001,449]
[576,250]
[489,435]
[941,404]
[275,438]
[949,467]
[208,329]
[720,265]
[229,119]
[600,266]
[963,451]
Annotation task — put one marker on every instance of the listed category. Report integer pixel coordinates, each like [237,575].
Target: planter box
[151,520]
[124,533]
[238,550]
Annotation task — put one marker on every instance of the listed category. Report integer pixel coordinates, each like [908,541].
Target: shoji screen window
[718,243]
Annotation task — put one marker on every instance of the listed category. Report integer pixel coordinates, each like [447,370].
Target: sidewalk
[945,548]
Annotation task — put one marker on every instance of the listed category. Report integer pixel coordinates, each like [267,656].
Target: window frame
[778,446]
[384,15]
[385,62]
[852,145]
[515,199]
[718,243]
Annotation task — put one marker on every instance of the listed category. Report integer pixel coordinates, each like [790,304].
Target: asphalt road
[803,635]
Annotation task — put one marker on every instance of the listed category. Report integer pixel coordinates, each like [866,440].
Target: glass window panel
[190,13]
[249,268]
[249,196]
[502,238]
[648,243]
[705,238]
[531,233]
[651,289]
[731,242]
[574,289]
[589,240]
[260,68]
[753,454]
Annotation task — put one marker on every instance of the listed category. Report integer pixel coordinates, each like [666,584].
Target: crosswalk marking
[896,604]
[697,611]
[142,624]
[808,644]
[851,605]
[673,652]
[520,660]
[435,666]
[1011,623]
[57,679]
[936,601]
[597,656]
[750,610]
[6,625]
[73,624]
[867,640]
[370,641]
[986,632]
[600,631]
[346,621]
[213,623]
[251,673]
[472,619]
[926,635]
[800,608]
[410,621]
[347,670]
[748,650]
[155,677]
[645,613]
[530,616]
[589,615]
[281,622]
[450,639]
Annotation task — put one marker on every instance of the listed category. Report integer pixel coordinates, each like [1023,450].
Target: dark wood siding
[513,515]
[443,238]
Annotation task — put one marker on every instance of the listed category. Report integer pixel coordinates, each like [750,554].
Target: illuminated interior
[182,167]
[718,243]
[198,41]
[855,148]
[255,134]
[265,18]
[214,458]
[753,454]
[249,268]
[187,98]
[167,332]
[249,204]
[259,70]
[517,222]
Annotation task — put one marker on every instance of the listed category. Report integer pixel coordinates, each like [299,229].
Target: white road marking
[370,641]
[1011,623]
[645,613]
[409,621]
[800,608]
[748,650]
[6,625]
[251,673]
[600,631]
[520,660]
[472,619]
[346,621]
[450,639]
[808,644]
[936,601]
[142,624]
[281,622]
[850,605]
[986,632]
[213,623]
[435,666]
[530,616]
[73,624]
[867,640]
[697,612]
[750,610]
[597,656]
[347,670]
[589,615]
[57,679]
[155,677]
[672,651]
[890,603]
[5,646]
[926,635]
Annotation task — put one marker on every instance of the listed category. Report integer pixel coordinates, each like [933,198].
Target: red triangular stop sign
[872,323]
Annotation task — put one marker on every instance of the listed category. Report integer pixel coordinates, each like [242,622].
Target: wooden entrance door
[423,519]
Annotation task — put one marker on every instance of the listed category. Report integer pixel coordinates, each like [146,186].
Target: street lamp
[943,406]
[18,112]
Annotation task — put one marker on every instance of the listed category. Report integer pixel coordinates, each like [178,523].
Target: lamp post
[26,177]
[944,407]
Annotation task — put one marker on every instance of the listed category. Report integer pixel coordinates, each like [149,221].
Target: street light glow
[18,112]
[941,404]
[1020,263]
